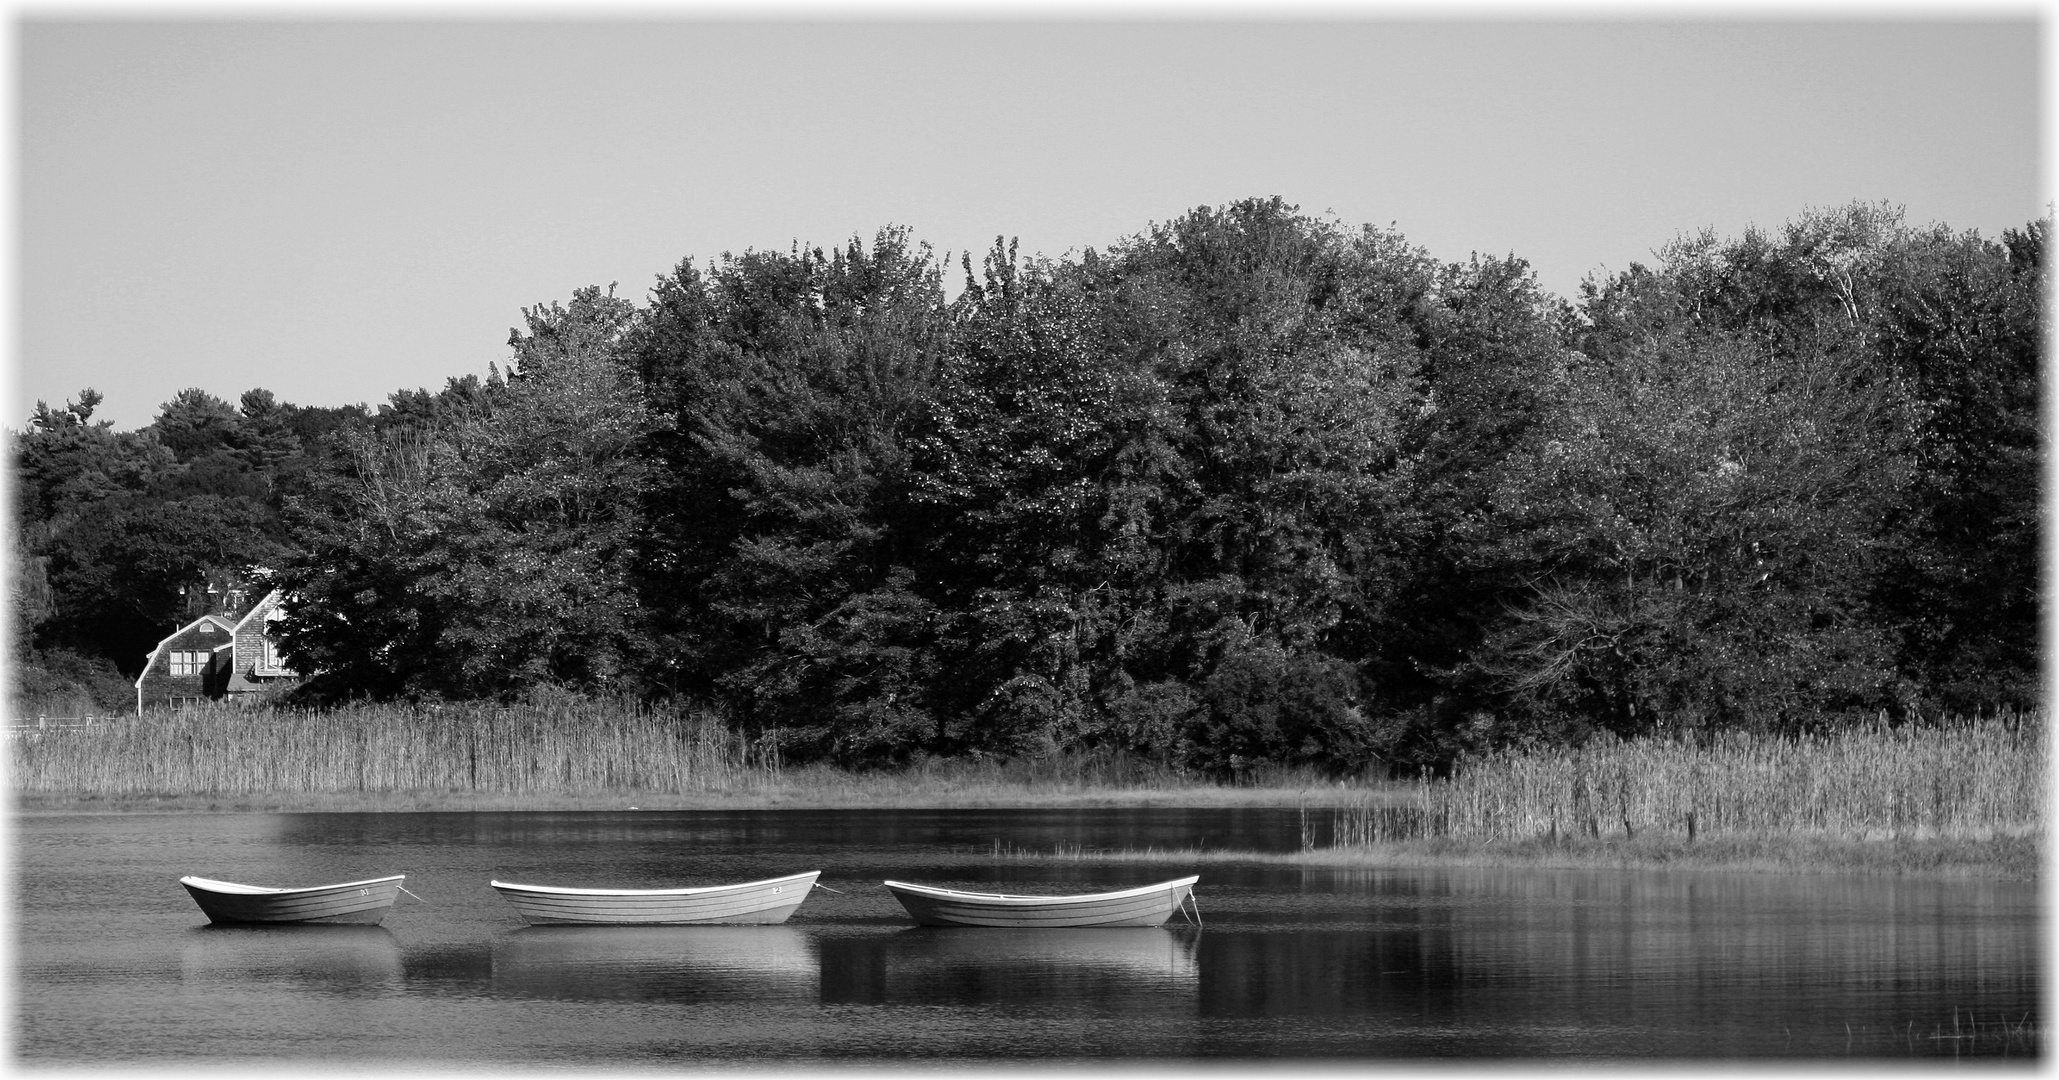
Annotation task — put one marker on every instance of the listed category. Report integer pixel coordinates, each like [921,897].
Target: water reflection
[965,830]
[1649,964]
[656,963]
[1019,967]
[1304,963]
[325,957]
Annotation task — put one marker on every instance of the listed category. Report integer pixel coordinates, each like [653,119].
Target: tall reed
[554,745]
[1967,778]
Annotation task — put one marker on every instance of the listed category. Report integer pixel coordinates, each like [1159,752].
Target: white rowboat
[768,901]
[1146,905]
[360,902]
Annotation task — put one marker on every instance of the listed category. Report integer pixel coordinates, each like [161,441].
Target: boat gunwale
[1020,900]
[233,888]
[696,890]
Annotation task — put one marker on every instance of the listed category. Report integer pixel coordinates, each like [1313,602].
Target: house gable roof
[259,618]
[257,611]
[215,621]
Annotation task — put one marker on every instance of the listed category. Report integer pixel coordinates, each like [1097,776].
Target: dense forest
[1248,487]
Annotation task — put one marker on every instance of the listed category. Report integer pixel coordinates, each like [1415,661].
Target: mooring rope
[820,885]
[404,889]
[1189,899]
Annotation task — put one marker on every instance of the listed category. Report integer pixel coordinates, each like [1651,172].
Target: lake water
[115,966]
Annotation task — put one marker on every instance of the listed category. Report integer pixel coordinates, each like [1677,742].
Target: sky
[336,209]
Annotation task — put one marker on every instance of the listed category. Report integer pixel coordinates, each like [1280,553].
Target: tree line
[1250,486]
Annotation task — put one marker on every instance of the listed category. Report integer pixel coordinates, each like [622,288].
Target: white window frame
[188,662]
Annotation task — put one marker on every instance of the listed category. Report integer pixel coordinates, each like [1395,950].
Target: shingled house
[228,653]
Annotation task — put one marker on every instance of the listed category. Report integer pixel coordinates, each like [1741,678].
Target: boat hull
[361,903]
[753,902]
[1149,905]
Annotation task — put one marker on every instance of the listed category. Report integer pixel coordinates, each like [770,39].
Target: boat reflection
[656,963]
[1057,966]
[320,956]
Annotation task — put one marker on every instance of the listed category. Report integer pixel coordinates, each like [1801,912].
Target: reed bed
[562,746]
[1974,779]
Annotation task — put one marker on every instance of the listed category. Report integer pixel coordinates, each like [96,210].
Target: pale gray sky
[337,210]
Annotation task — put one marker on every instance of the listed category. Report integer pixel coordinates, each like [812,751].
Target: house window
[188,663]
[269,656]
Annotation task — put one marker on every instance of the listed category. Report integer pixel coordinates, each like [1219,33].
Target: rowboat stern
[1183,890]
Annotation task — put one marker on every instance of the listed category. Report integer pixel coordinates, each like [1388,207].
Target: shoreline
[849,796]
[1998,855]
[2000,858]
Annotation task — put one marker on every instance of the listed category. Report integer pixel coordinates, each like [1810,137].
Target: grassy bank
[811,787]
[571,754]
[1959,799]
[568,746]
[1960,779]
[792,794]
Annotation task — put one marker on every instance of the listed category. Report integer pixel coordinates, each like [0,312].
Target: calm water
[114,964]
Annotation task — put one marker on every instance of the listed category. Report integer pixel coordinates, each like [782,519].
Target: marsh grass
[550,752]
[1952,799]
[1974,1035]
[1972,779]
[560,745]
[1965,797]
